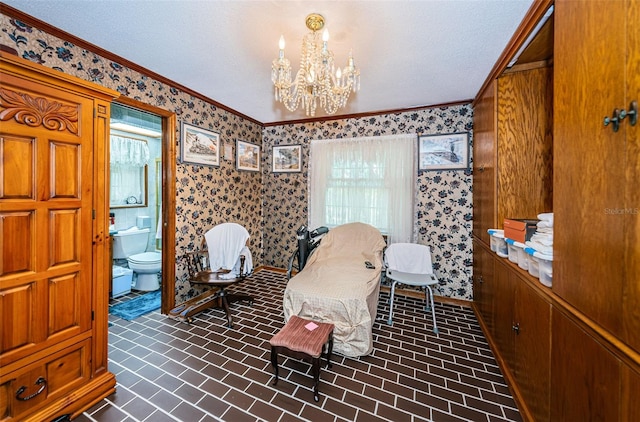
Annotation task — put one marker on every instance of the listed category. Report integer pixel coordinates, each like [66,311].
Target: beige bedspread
[335,286]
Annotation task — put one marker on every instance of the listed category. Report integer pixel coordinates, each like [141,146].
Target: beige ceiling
[411,53]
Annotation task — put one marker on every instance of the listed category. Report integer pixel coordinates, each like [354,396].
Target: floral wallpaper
[443,198]
[273,205]
[206,196]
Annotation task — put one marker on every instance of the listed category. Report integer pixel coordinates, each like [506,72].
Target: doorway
[147,198]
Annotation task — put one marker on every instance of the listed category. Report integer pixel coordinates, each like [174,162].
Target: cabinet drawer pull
[40,381]
[615,120]
[632,113]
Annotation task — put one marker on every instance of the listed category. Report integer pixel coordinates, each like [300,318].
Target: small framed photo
[247,156]
[443,152]
[287,159]
[199,146]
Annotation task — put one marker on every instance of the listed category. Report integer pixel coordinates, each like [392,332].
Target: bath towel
[226,242]
[408,258]
[547,216]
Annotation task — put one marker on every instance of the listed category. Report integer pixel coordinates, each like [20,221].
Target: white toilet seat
[146,258]
[146,265]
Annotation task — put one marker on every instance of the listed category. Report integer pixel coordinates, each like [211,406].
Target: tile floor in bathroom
[173,371]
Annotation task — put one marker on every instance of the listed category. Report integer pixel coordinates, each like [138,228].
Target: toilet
[147,265]
[131,245]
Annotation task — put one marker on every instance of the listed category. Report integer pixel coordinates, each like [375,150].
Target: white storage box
[534,263]
[523,258]
[121,281]
[517,255]
[498,244]
[546,268]
[540,265]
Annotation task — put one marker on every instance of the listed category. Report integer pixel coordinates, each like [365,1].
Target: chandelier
[318,82]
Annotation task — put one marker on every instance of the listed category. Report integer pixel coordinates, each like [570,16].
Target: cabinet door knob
[632,113]
[516,328]
[615,120]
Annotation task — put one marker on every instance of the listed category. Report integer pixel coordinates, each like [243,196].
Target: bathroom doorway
[142,189]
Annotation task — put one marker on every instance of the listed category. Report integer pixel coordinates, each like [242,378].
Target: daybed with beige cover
[335,286]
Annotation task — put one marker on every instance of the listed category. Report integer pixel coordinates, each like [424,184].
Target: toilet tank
[130,242]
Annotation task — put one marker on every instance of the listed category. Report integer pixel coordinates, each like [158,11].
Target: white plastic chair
[410,263]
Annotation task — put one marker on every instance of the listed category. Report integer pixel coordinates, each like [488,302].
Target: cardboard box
[519,230]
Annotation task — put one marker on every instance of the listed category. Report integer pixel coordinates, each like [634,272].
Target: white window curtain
[369,180]
[129,152]
[128,158]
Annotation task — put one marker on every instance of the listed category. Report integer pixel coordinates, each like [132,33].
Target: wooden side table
[303,339]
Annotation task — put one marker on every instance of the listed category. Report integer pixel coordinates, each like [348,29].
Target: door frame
[168,198]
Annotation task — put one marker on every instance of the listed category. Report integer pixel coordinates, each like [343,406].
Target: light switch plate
[228,152]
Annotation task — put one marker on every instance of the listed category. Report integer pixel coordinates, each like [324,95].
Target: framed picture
[443,152]
[247,156]
[199,146]
[287,159]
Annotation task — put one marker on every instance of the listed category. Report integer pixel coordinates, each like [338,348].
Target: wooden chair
[216,295]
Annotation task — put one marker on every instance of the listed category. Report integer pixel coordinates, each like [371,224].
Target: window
[369,180]
[129,157]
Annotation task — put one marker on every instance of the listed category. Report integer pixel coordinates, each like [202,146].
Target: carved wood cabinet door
[45,217]
[50,305]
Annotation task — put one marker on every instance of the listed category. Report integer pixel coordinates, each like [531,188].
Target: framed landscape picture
[287,159]
[443,152]
[247,156]
[199,146]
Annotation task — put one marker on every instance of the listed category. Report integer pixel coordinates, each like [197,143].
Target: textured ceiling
[410,53]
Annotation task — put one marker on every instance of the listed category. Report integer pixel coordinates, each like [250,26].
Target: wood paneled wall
[525,145]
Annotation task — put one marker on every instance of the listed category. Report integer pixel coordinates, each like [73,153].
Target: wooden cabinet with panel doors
[597,250]
[483,283]
[513,171]
[591,315]
[53,254]
[531,343]
[585,376]
[597,216]
[516,318]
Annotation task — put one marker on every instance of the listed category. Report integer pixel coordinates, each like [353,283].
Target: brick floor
[168,370]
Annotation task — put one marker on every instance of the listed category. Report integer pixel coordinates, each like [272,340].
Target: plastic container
[523,257]
[121,281]
[534,263]
[546,268]
[498,243]
[541,266]
[515,251]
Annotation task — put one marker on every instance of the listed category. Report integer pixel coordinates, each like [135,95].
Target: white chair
[410,263]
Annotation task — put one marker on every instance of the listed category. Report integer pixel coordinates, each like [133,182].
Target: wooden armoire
[54,286]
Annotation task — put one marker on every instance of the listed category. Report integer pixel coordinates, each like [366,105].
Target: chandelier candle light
[317,81]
